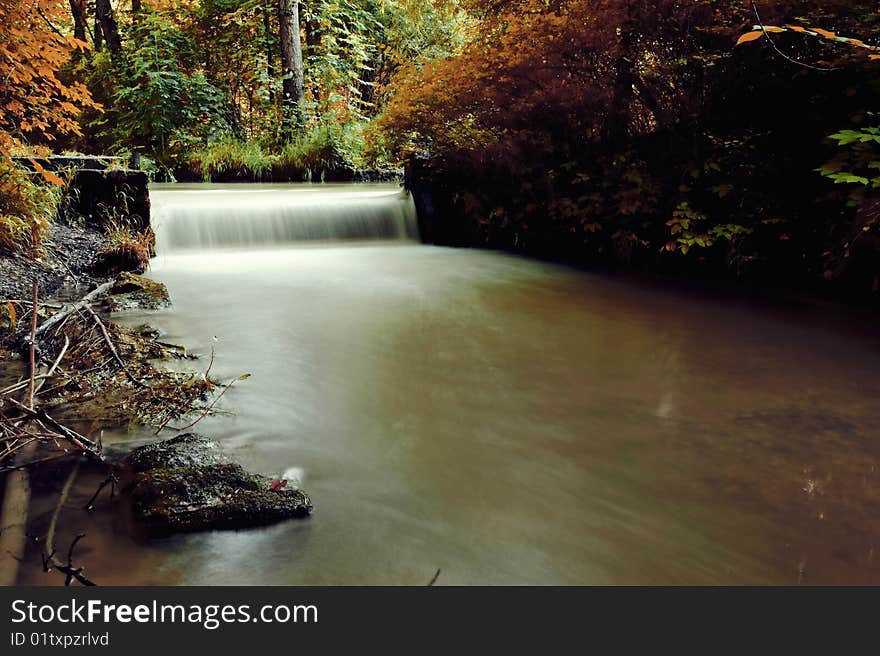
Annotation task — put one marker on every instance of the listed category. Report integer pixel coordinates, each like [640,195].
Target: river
[501,419]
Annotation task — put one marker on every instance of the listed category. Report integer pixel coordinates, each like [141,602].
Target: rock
[147,331]
[186,450]
[188,484]
[133,291]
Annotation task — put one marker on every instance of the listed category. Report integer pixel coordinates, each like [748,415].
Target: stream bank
[92,375]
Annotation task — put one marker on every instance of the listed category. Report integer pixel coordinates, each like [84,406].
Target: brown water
[514,422]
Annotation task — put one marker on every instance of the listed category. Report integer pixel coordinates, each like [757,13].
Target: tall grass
[327,146]
[322,148]
[232,159]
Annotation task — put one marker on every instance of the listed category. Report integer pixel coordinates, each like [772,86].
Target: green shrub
[28,206]
[326,146]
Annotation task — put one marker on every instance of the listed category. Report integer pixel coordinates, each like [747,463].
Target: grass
[232,159]
[323,147]
[127,249]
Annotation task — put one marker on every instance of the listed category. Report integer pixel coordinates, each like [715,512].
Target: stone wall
[102,190]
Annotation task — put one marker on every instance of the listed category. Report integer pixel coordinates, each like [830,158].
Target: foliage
[640,132]
[201,76]
[232,159]
[326,146]
[36,105]
[28,205]
[154,102]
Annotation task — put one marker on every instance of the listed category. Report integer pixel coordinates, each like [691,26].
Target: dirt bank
[70,260]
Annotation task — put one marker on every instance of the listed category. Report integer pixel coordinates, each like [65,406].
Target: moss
[187,484]
[186,450]
[132,290]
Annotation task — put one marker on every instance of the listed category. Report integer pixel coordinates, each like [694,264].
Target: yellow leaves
[33,99]
[825,33]
[759,30]
[13,317]
[47,175]
[749,36]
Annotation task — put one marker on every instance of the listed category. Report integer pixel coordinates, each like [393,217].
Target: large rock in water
[187,484]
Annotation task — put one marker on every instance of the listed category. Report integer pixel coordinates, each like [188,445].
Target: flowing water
[501,419]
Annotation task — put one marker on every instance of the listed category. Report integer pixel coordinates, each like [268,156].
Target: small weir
[198,217]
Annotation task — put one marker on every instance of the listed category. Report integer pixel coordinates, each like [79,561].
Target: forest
[738,139]
[523,291]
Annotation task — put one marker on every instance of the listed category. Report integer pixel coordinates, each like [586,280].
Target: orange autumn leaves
[759,31]
[35,103]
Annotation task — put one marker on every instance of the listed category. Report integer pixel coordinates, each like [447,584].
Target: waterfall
[208,217]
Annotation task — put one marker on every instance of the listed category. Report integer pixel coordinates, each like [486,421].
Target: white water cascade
[209,217]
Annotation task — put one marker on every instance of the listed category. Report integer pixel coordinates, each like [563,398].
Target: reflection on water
[509,421]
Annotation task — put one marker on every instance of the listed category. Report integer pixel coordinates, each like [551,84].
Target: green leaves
[865,135]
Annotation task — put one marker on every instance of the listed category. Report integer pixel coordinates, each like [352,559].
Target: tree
[292,84]
[36,106]
[637,131]
[80,19]
[106,20]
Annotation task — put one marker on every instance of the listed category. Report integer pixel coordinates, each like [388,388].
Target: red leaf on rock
[276,485]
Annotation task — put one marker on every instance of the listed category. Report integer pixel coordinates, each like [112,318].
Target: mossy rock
[187,484]
[133,291]
[186,450]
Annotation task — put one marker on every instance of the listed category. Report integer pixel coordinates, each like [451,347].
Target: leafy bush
[326,146]
[152,101]
[28,205]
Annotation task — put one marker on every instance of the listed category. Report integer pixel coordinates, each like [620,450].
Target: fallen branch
[111,480]
[67,311]
[79,441]
[113,350]
[211,406]
[177,410]
[32,348]
[42,377]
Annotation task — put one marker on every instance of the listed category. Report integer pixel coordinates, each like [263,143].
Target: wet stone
[188,484]
[133,291]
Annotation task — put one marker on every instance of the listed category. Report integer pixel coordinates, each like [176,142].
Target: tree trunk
[98,37]
[78,12]
[105,18]
[291,67]
[616,123]
[136,8]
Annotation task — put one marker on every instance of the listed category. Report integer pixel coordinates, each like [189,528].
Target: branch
[32,348]
[79,441]
[66,312]
[107,339]
[782,54]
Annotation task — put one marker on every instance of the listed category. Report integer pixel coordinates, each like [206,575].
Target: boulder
[134,291]
[188,484]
